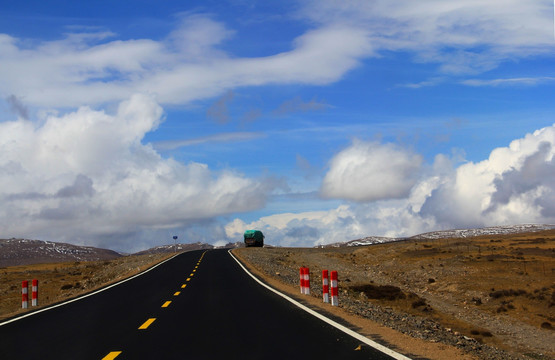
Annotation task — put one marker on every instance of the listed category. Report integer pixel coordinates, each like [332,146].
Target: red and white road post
[306,281]
[325,286]
[304,275]
[24,294]
[334,291]
[35,293]
[301,279]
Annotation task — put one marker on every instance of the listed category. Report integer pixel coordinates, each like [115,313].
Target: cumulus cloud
[514,185]
[299,229]
[85,176]
[369,171]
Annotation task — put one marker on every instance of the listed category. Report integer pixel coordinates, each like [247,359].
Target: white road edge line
[86,295]
[346,330]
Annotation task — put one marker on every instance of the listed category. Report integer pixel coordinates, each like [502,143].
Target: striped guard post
[334,291]
[24,294]
[301,278]
[325,286]
[306,281]
[35,293]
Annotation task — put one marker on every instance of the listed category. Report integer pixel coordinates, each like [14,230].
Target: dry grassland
[62,281]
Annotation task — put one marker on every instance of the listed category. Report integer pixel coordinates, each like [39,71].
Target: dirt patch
[493,297]
[62,281]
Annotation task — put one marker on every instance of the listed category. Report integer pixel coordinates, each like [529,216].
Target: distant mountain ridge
[184,247]
[456,233]
[15,252]
[25,252]
[493,230]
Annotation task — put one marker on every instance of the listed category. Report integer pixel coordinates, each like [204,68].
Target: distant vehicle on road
[254,238]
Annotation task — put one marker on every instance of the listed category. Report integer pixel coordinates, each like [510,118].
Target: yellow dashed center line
[147,324]
[112,355]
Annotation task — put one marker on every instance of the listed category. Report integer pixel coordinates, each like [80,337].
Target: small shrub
[387,292]
[418,303]
[546,325]
[431,281]
[502,293]
[501,309]
[67,286]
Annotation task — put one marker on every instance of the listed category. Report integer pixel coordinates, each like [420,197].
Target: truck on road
[254,238]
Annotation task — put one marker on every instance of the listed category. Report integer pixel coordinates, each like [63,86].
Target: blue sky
[124,123]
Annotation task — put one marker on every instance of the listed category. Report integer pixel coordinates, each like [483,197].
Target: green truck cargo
[254,238]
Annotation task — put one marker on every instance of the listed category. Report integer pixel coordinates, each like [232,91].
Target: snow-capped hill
[444,234]
[494,230]
[175,248]
[24,252]
[371,240]
[186,247]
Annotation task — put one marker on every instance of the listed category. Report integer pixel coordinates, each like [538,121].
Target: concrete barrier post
[334,290]
[325,286]
[25,294]
[35,293]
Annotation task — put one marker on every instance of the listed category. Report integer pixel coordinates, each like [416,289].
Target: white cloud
[524,81]
[511,186]
[86,175]
[369,171]
[515,185]
[461,36]
[186,66]
[218,138]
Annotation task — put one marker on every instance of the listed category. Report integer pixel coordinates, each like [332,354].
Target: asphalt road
[204,306]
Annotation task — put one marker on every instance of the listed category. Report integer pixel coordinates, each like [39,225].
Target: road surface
[198,305]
